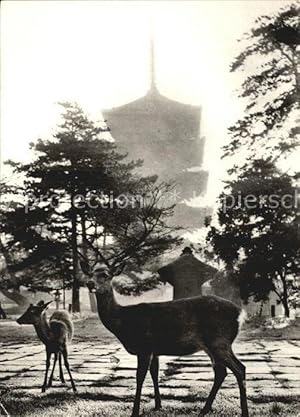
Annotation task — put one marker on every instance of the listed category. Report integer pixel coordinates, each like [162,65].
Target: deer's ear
[86,269]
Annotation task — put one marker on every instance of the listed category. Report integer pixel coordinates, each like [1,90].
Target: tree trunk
[84,237]
[285,296]
[286,308]
[15,296]
[261,308]
[76,284]
[104,239]
[297,74]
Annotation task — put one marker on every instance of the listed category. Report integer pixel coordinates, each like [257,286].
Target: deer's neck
[42,329]
[107,307]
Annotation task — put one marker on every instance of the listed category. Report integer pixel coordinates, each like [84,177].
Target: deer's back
[61,325]
[177,327]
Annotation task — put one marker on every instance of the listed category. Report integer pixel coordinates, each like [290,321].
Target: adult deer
[55,334]
[179,327]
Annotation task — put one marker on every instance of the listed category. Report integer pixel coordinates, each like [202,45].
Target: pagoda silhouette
[166,135]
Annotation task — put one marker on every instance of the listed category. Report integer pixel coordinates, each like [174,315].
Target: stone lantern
[186,274]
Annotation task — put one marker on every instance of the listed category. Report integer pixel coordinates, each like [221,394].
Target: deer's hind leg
[52,373]
[154,370]
[61,374]
[65,356]
[223,355]
[239,371]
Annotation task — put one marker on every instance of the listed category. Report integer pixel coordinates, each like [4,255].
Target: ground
[105,376]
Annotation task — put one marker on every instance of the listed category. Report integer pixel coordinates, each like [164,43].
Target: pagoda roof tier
[168,118]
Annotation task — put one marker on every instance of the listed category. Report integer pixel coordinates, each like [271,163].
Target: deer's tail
[61,324]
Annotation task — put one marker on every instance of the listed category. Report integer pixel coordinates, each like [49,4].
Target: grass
[91,404]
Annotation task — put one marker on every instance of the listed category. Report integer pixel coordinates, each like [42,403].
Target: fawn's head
[33,313]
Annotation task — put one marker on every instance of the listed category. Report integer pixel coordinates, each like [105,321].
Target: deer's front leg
[142,368]
[154,370]
[48,356]
[220,375]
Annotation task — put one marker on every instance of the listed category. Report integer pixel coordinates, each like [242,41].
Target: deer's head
[33,313]
[100,276]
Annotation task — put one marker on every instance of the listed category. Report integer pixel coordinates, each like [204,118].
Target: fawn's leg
[142,368]
[154,369]
[51,375]
[48,356]
[65,355]
[228,359]
[220,375]
[61,374]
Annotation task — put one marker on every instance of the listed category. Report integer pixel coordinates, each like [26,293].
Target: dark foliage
[273,86]
[258,237]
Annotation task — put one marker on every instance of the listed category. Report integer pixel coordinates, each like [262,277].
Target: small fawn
[55,334]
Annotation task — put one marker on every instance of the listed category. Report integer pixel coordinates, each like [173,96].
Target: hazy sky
[97,53]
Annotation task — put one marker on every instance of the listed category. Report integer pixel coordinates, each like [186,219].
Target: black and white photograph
[150,208]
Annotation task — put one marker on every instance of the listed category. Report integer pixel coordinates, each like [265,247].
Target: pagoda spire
[153,87]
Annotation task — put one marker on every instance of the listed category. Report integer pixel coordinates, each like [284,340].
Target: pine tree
[75,186]
[257,236]
[270,58]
